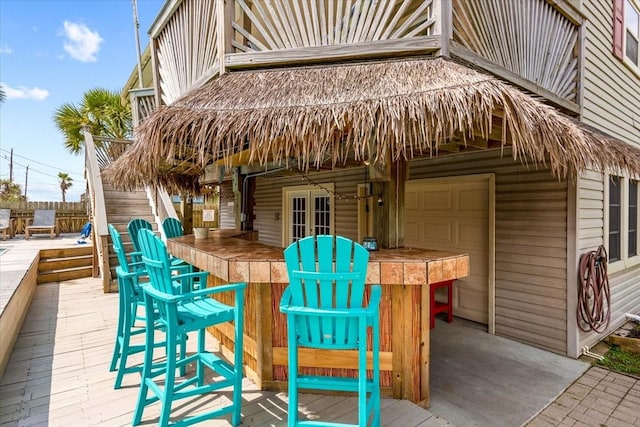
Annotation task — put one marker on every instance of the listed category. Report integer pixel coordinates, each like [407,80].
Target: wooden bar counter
[405,275]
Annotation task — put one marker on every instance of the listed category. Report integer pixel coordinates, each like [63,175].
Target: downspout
[243,218]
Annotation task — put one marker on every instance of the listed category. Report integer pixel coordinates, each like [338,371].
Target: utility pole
[26,178]
[136,26]
[11,166]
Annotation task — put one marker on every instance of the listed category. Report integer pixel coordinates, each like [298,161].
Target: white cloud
[25,92]
[5,49]
[81,43]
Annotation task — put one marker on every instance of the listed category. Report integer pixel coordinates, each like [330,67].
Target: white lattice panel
[265,25]
[527,37]
[186,48]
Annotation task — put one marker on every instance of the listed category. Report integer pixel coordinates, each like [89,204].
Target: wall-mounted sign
[208,215]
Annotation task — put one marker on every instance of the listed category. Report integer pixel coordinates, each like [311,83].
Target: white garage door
[453,214]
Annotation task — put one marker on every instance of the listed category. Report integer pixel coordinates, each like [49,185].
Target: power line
[33,170]
[35,161]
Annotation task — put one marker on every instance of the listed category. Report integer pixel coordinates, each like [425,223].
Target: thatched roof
[366,111]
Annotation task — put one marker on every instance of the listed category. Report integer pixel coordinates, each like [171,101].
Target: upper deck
[535,44]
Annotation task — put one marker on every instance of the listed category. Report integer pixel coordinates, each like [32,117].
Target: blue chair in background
[172,227]
[325,308]
[137,224]
[133,227]
[129,271]
[180,313]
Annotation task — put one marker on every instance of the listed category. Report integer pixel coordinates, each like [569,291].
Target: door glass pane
[298,218]
[615,218]
[322,215]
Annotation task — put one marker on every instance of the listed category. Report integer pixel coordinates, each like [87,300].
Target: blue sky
[51,52]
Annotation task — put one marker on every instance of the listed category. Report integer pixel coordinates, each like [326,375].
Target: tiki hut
[329,115]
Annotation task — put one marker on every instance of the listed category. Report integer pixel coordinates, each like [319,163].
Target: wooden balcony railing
[534,43]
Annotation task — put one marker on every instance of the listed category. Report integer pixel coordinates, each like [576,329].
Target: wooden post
[397,339]
[186,210]
[425,346]
[264,334]
[388,217]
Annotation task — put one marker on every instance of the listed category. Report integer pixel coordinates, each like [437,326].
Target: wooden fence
[71,216]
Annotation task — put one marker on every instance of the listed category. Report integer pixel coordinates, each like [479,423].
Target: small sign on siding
[208,215]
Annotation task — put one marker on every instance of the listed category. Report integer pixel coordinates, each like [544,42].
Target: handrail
[98,209]
[161,206]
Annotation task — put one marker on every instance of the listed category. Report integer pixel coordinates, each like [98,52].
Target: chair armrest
[202,275]
[129,274]
[240,286]
[148,288]
[135,256]
[334,312]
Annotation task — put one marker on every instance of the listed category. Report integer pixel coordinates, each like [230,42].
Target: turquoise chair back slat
[134,227]
[172,227]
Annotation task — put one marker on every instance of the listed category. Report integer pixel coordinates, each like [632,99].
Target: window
[633,218]
[632,31]
[308,212]
[622,222]
[615,219]
[626,31]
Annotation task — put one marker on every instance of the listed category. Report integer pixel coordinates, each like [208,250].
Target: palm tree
[102,110]
[65,183]
[10,191]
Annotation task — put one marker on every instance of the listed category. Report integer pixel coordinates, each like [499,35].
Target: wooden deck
[58,374]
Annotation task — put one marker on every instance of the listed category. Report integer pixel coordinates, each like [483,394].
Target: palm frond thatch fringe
[373,111]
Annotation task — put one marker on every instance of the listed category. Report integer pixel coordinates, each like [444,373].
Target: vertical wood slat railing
[98,210]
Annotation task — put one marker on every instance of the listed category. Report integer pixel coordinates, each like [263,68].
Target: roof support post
[389,206]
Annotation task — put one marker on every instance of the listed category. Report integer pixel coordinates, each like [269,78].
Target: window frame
[308,191]
[625,260]
[625,26]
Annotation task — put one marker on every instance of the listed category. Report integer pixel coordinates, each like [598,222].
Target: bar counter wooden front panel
[404,326]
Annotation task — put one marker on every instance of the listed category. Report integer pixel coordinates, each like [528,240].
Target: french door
[308,212]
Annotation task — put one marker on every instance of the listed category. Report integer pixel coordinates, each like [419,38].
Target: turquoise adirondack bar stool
[137,224]
[172,227]
[179,314]
[325,308]
[129,271]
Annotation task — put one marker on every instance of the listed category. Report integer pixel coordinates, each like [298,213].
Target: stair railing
[161,206]
[98,212]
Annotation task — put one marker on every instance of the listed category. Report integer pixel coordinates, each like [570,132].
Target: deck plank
[58,374]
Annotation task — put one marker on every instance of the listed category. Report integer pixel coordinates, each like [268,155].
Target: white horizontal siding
[611,103]
[268,202]
[227,205]
[590,211]
[531,244]
[611,90]
[624,286]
